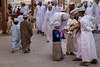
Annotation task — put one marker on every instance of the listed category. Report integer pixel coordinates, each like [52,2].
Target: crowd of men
[75,24]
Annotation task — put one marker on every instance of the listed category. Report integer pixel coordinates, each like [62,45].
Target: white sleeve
[52,20]
[85,26]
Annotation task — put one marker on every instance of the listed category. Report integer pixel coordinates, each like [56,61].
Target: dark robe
[26,34]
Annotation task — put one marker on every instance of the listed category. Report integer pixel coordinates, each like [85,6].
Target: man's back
[26,29]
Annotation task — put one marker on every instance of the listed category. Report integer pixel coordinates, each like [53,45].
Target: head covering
[89,4]
[16,20]
[25,15]
[85,2]
[49,5]
[74,11]
[66,16]
[22,3]
[81,9]
[56,23]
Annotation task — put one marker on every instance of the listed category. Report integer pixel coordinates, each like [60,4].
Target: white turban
[66,16]
[74,11]
[56,23]
[15,19]
[89,4]
[81,9]
[49,5]
[25,15]
[22,3]
[65,27]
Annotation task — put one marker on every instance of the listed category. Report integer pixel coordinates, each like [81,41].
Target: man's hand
[72,25]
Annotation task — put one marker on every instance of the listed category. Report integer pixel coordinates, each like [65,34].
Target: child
[26,34]
[15,36]
[57,50]
[71,41]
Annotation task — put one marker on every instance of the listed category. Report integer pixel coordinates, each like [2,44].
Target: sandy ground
[40,55]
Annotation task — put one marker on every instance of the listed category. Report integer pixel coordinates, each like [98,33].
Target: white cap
[22,3]
[81,9]
[49,5]
[74,11]
[25,15]
[85,2]
[57,23]
[66,16]
[89,4]
[16,20]
[65,27]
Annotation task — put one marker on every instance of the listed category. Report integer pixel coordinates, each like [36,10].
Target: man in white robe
[45,27]
[24,8]
[62,17]
[87,49]
[87,41]
[40,10]
[55,8]
[89,9]
[96,14]
[20,18]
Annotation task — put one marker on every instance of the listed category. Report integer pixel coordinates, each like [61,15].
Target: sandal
[71,53]
[47,41]
[67,53]
[94,61]
[29,49]
[84,64]
[26,51]
[77,59]
[12,51]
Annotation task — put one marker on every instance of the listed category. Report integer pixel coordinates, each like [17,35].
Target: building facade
[27,1]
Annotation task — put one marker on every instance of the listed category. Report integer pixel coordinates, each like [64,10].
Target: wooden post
[59,1]
[32,5]
[63,4]
[3,16]
[76,3]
